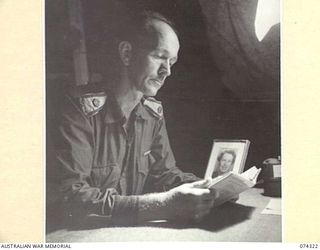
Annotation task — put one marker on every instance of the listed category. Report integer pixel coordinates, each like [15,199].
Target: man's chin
[150,93]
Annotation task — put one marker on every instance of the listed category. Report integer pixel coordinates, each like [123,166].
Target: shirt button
[96,102]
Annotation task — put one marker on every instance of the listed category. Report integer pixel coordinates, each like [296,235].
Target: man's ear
[125,52]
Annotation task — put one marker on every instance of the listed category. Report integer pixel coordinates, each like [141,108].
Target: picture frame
[227,156]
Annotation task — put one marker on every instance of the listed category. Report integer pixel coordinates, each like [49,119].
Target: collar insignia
[154,106]
[92,103]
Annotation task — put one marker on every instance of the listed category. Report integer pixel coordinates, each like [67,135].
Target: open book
[231,184]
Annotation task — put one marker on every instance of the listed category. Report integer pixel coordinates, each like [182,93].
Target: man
[114,161]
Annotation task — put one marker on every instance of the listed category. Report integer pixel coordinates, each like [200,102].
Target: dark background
[226,85]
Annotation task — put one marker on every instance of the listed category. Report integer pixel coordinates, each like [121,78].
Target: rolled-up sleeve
[164,174]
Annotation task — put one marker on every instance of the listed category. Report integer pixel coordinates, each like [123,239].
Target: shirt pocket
[105,176]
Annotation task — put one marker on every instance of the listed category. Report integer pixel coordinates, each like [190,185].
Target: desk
[239,222]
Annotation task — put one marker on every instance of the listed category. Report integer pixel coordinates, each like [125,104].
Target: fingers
[215,193]
[201,184]
[201,192]
[234,199]
[201,188]
[205,194]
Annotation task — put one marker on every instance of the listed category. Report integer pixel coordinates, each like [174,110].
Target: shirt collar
[113,112]
[141,112]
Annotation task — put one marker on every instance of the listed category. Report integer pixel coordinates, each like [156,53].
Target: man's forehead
[163,29]
[165,37]
[161,25]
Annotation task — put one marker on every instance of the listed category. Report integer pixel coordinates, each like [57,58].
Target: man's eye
[159,57]
[164,58]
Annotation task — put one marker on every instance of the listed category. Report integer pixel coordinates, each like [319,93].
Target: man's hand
[234,199]
[190,201]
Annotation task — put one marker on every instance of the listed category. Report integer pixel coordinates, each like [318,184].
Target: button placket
[126,178]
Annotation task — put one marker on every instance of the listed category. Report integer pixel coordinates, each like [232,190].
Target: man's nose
[165,69]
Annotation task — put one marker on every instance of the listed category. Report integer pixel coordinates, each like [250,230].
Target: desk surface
[239,222]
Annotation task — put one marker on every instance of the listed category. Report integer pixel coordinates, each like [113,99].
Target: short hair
[227,151]
[138,26]
[132,26]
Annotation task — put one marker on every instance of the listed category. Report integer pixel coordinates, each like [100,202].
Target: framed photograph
[227,156]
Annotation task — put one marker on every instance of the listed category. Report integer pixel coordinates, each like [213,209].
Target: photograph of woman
[225,161]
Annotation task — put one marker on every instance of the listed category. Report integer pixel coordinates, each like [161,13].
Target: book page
[229,186]
[251,174]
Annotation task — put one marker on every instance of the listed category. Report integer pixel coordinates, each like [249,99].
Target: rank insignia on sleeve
[92,103]
[154,106]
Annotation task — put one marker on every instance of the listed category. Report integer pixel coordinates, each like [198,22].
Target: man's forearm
[154,206]
[141,208]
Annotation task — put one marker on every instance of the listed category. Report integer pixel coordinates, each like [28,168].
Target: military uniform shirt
[103,166]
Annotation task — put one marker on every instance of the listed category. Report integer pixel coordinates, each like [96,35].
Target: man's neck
[127,97]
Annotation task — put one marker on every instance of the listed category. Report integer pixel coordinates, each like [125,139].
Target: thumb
[215,193]
[201,184]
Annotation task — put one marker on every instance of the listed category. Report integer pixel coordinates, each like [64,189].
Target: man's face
[226,162]
[151,66]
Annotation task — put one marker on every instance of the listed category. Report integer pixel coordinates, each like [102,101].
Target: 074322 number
[312,246]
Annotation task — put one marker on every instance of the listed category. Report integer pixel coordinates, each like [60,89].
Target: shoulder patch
[91,103]
[154,106]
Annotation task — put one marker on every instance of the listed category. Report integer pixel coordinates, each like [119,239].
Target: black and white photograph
[225,162]
[136,92]
[227,156]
